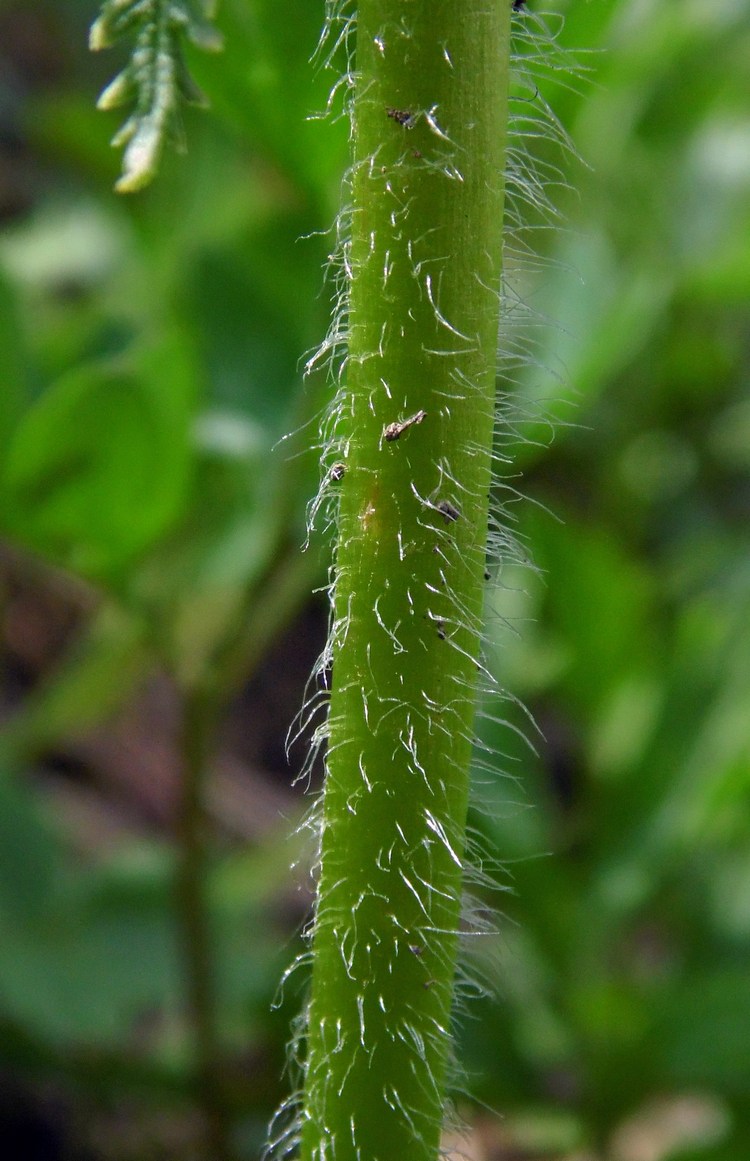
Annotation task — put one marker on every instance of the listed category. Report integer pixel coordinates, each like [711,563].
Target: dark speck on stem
[448,511]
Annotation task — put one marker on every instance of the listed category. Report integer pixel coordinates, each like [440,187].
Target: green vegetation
[412,432]
[151,354]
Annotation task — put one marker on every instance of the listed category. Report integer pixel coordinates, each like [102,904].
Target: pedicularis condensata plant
[407,477]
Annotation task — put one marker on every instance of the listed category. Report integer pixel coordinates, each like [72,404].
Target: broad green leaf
[98,467]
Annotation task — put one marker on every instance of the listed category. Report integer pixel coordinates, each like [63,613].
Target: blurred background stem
[197,946]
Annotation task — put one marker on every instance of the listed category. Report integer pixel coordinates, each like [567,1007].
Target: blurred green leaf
[89,685]
[599,601]
[30,852]
[265,84]
[702,1035]
[12,367]
[98,467]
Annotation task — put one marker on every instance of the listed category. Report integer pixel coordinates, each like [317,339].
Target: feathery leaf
[155,80]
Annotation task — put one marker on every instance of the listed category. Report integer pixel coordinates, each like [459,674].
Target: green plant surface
[413,431]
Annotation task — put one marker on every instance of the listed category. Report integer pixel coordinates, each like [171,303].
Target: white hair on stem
[538,57]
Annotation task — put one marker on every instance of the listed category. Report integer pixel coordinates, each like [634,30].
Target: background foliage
[151,353]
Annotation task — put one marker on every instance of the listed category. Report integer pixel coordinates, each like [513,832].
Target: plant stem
[414,430]
[193,910]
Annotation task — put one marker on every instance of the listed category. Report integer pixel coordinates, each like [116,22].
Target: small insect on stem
[394,431]
[518,5]
[336,472]
[402,116]
[448,511]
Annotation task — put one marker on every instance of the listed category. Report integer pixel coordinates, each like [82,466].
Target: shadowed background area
[150,363]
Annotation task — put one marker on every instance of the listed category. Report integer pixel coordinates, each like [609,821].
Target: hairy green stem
[193,913]
[414,430]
